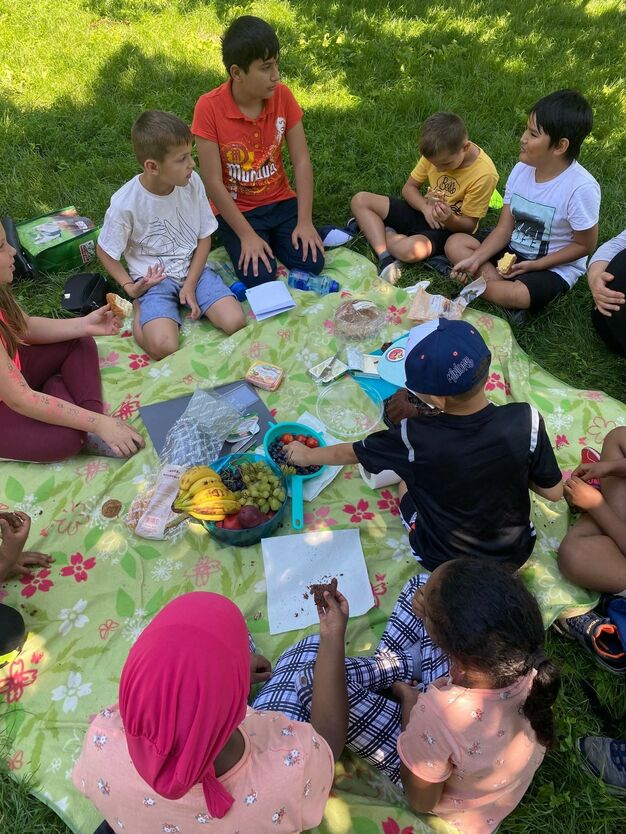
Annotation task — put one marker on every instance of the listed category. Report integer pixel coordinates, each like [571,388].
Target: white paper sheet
[293,563]
[269,299]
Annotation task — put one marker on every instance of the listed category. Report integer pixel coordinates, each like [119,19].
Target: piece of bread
[505,263]
[435,194]
[119,306]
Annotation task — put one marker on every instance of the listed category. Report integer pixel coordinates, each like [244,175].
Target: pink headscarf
[183,691]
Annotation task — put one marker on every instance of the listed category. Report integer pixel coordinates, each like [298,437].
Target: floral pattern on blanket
[84,612]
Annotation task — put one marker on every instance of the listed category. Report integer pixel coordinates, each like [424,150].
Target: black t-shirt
[468,477]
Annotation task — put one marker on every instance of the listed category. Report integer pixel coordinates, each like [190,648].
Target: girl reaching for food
[50,391]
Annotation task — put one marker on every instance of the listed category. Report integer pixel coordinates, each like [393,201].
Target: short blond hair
[442,133]
[156,132]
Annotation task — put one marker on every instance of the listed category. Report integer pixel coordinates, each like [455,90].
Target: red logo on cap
[396,354]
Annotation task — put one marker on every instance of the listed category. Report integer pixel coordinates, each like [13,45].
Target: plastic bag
[195,438]
[199,433]
[425,306]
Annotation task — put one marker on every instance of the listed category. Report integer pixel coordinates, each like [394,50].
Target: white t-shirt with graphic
[547,213]
[149,229]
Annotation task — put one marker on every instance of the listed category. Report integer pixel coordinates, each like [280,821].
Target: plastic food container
[348,412]
[296,481]
[359,320]
[253,535]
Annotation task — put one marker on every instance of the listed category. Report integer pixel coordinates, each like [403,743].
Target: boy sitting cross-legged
[550,216]
[239,129]
[466,470]
[461,179]
[161,222]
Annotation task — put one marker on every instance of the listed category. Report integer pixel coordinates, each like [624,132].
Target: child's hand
[405,693]
[30,559]
[260,668]
[429,214]
[13,558]
[187,296]
[417,604]
[14,537]
[121,437]
[253,249]
[468,267]
[441,212]
[102,322]
[588,471]
[582,496]
[154,275]
[333,615]
[520,268]
[306,233]
[607,301]
[297,453]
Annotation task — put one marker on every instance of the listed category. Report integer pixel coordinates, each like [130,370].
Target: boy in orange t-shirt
[239,129]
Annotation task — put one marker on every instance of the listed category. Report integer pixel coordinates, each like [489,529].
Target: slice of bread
[505,263]
[434,194]
[119,306]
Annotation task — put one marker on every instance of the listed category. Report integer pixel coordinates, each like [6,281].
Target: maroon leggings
[67,370]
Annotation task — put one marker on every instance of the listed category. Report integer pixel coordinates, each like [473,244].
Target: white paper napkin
[293,563]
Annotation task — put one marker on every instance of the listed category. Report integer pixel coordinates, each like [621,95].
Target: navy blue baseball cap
[445,358]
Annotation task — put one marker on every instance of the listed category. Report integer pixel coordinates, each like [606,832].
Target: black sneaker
[390,270]
[599,636]
[605,758]
[352,227]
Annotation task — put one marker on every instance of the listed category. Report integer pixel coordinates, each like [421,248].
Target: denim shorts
[161,301]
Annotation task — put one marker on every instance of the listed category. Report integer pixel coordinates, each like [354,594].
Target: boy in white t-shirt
[550,216]
[161,222]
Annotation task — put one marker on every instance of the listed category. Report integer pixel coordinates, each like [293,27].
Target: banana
[207,514]
[188,478]
[203,483]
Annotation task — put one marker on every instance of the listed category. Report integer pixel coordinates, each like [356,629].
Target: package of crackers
[264,375]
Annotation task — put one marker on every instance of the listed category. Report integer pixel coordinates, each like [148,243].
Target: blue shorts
[161,301]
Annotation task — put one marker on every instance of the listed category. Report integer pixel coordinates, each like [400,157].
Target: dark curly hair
[483,615]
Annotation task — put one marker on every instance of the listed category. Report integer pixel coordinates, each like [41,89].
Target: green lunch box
[60,241]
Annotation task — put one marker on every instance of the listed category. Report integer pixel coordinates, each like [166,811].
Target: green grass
[73,76]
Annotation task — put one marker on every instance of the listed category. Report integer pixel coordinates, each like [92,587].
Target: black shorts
[406,220]
[543,286]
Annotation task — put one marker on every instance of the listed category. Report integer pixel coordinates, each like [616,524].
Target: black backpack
[25,266]
[84,292]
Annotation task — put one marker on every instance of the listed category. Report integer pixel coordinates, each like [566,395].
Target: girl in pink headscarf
[182,749]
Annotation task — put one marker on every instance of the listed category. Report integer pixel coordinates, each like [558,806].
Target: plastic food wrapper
[196,438]
[425,306]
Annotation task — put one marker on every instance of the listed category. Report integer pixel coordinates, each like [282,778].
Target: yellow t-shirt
[468,189]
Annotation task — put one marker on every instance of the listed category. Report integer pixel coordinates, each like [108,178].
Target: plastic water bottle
[321,284]
[239,289]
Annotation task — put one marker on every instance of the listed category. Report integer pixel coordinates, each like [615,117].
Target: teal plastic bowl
[252,535]
[296,481]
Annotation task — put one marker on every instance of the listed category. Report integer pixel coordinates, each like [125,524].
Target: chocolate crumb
[317,590]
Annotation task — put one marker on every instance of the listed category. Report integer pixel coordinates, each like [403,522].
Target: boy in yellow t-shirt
[461,179]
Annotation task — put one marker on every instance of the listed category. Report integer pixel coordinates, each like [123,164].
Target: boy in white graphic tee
[550,216]
[161,222]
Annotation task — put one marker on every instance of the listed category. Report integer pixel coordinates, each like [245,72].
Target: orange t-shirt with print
[250,149]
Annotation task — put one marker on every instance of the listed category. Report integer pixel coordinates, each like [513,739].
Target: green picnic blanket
[85,612]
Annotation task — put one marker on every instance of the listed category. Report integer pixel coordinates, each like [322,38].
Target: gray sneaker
[605,758]
[391,273]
